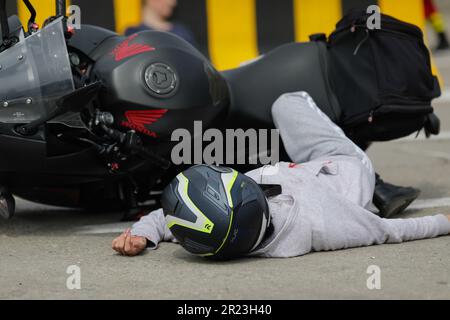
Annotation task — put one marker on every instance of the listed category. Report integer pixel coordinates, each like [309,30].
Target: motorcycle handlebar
[154,157]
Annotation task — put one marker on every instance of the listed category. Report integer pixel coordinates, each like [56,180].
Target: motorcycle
[86,115]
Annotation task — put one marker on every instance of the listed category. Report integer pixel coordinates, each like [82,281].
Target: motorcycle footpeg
[7,205]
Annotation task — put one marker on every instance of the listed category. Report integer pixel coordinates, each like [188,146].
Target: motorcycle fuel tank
[155,82]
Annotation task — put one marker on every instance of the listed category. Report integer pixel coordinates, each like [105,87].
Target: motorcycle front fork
[134,210]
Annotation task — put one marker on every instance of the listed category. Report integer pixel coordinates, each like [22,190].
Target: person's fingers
[113,244]
[115,240]
[127,247]
[120,243]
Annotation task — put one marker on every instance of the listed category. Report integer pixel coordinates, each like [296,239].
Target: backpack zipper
[361,42]
[374,113]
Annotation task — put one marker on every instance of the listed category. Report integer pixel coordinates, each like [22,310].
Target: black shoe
[7,204]
[443,42]
[392,200]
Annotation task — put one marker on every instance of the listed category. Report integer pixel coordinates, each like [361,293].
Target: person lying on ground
[318,203]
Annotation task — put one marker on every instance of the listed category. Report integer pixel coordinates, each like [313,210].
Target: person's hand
[448,217]
[128,245]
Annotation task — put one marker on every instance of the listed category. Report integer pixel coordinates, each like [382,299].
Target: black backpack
[382,78]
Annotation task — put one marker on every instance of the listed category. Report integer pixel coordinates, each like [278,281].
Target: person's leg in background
[435,18]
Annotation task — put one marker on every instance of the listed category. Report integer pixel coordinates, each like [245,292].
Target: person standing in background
[156,15]
[433,15]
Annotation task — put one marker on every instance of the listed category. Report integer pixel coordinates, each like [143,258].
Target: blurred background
[230,32]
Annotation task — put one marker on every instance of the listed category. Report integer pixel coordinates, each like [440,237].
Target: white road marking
[430,204]
[445,97]
[109,228]
[117,228]
[429,153]
[443,136]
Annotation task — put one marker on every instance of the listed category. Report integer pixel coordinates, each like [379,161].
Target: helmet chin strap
[271,190]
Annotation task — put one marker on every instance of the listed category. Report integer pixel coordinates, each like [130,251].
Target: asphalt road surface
[42,244]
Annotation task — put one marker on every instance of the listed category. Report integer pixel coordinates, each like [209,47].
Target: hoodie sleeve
[401,230]
[341,224]
[154,228]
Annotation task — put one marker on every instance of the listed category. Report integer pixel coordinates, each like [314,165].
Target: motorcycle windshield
[34,73]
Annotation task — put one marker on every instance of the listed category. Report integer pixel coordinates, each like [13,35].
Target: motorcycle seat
[290,68]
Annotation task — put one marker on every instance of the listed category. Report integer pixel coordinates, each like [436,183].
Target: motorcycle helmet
[216,212]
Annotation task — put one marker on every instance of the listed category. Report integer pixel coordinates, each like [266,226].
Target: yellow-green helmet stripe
[202,223]
[228,180]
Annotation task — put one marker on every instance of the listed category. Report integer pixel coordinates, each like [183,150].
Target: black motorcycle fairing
[88,39]
[290,68]
[15,26]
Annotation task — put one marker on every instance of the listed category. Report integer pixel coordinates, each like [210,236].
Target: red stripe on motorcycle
[126,50]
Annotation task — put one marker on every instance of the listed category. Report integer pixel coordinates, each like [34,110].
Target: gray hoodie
[326,192]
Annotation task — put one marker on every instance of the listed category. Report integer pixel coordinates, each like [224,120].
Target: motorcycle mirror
[72,102]
[32,20]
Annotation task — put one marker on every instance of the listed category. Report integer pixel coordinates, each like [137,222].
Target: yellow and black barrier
[233,31]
